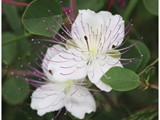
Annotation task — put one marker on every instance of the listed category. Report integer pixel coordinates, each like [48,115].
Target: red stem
[110,4]
[73,8]
[15,3]
[153,86]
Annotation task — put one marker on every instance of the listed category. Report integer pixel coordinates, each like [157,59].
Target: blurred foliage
[15,91]
[139,54]
[18,49]
[11,49]
[134,53]
[150,114]
[151,6]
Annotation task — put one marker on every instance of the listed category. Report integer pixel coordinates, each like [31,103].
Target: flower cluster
[85,56]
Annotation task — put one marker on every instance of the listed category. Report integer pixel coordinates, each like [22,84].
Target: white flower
[54,96]
[91,50]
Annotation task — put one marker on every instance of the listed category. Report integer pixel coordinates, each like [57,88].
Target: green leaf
[15,91]
[146,54]
[9,51]
[30,114]
[13,19]
[121,79]
[89,4]
[23,49]
[16,39]
[107,115]
[37,12]
[134,52]
[93,5]
[151,6]
[148,114]
[140,51]
[129,9]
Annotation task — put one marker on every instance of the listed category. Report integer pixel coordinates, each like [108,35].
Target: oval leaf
[12,17]
[145,52]
[121,79]
[133,52]
[9,51]
[37,12]
[15,91]
[151,6]
[89,4]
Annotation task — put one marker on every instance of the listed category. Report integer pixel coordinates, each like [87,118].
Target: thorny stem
[15,3]
[15,39]
[152,64]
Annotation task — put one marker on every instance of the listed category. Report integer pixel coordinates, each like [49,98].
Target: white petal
[101,28]
[114,32]
[47,98]
[68,65]
[99,68]
[51,52]
[80,101]
[86,23]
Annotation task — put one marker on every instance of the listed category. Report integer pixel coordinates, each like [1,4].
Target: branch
[153,86]
[152,64]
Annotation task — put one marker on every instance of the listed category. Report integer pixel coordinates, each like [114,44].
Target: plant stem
[152,64]
[110,4]
[15,39]
[15,3]
[129,9]
[153,86]
[73,8]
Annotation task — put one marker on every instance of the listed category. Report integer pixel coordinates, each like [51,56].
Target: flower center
[68,84]
[93,51]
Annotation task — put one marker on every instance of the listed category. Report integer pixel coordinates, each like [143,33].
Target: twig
[152,64]
[153,86]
